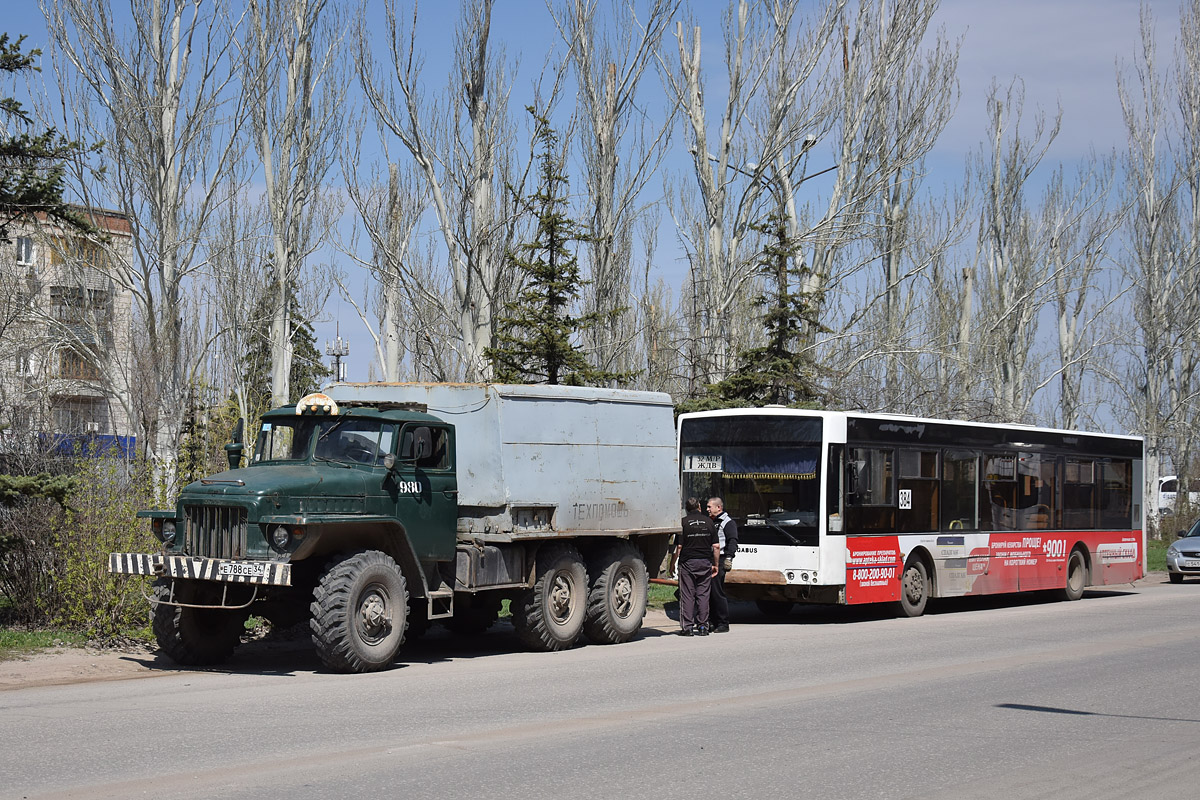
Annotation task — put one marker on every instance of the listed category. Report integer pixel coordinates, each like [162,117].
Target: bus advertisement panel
[865,508]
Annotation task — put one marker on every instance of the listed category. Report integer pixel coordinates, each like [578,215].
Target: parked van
[1168,491]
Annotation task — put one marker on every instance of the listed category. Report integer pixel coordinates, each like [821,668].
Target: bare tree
[1151,264]
[158,96]
[1010,252]
[294,88]
[1078,226]
[621,150]
[236,288]
[462,144]
[765,128]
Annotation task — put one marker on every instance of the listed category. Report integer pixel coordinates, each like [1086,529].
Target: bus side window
[870,490]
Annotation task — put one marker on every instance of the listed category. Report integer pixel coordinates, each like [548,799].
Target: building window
[24,250]
[23,364]
[74,365]
[77,305]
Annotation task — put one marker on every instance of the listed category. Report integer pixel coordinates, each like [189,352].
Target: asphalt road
[999,698]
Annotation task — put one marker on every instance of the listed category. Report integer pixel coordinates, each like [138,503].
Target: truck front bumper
[264,573]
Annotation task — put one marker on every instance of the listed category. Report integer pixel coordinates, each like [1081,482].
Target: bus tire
[195,637]
[549,616]
[616,603]
[775,609]
[914,588]
[1076,576]
[359,612]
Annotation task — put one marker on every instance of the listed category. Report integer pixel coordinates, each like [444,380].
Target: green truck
[375,510]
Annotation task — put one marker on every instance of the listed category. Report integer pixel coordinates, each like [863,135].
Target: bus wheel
[617,599]
[359,611]
[914,588]
[775,609]
[1076,577]
[549,616]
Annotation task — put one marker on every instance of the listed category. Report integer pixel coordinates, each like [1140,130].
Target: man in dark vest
[697,554]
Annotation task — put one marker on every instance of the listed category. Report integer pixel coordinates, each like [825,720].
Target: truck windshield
[766,469]
[354,441]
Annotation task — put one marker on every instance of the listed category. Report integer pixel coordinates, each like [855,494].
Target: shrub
[54,560]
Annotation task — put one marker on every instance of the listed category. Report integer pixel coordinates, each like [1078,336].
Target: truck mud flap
[261,573]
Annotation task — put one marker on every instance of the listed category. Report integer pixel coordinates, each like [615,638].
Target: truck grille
[215,531]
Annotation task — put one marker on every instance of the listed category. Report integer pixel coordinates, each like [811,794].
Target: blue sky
[1065,51]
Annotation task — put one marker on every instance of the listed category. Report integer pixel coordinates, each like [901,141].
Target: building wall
[66,334]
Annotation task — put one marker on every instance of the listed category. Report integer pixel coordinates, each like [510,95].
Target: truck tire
[617,599]
[195,637]
[359,611]
[476,618]
[550,616]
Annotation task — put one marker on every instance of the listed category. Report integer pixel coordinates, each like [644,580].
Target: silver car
[1183,556]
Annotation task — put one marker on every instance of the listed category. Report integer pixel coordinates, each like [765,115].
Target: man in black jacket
[697,554]
[727,536]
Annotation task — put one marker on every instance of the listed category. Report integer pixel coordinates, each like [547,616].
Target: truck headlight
[281,538]
[164,529]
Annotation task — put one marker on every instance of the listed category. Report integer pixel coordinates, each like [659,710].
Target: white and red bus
[844,507]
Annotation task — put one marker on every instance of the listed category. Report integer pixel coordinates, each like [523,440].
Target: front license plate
[1192,563]
[254,570]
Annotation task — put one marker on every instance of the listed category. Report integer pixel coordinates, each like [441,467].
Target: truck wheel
[359,610]
[914,588]
[617,600]
[550,616]
[476,618]
[195,637]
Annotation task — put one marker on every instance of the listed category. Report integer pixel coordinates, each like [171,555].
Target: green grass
[15,643]
[1156,553]
[660,595]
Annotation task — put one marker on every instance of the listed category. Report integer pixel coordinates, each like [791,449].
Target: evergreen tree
[32,165]
[307,370]
[534,339]
[778,373]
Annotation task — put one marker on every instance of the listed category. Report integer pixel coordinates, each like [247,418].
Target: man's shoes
[722,628]
[702,631]
[685,632]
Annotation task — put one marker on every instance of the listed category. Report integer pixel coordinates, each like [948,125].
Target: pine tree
[778,373]
[32,165]
[534,341]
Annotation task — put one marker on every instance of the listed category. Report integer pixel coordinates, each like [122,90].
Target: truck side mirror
[415,443]
[233,450]
[389,462]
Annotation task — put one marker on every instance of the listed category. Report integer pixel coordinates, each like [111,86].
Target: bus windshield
[765,468]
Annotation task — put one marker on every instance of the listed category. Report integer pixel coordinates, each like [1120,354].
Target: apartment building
[65,337]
